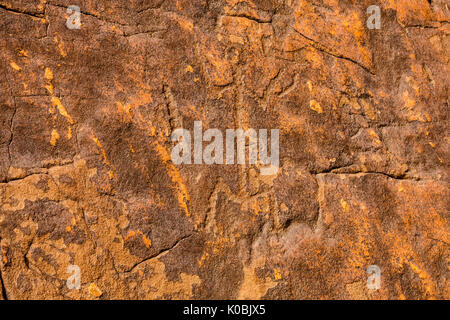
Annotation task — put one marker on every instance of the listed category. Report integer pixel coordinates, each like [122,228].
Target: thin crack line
[91,15]
[248,17]
[391,176]
[17,11]
[162,252]
[324,49]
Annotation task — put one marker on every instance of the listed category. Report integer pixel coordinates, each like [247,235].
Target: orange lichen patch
[214,247]
[277,274]
[60,44]
[314,105]
[189,69]
[41,5]
[132,234]
[54,138]
[111,174]
[105,157]
[94,290]
[49,88]
[422,118]
[344,205]
[52,110]
[48,74]
[23,53]
[14,66]
[62,110]
[373,134]
[174,174]
[257,205]
[203,259]
[69,133]
[172,171]
[147,241]
[409,103]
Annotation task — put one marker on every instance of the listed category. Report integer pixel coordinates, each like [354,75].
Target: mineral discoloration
[86,176]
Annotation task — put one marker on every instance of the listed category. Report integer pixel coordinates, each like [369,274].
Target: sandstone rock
[86,176]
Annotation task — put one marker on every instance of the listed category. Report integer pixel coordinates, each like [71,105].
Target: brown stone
[86,177]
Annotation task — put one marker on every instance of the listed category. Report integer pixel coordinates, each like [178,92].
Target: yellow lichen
[55,137]
[15,66]
[277,274]
[62,110]
[344,205]
[94,290]
[314,105]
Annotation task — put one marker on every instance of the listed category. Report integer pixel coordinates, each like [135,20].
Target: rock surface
[86,177]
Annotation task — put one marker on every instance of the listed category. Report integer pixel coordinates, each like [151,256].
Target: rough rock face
[87,179]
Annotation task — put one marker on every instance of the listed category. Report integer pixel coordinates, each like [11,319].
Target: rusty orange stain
[15,66]
[54,137]
[62,110]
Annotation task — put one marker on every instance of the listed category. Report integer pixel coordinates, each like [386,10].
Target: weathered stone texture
[86,176]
